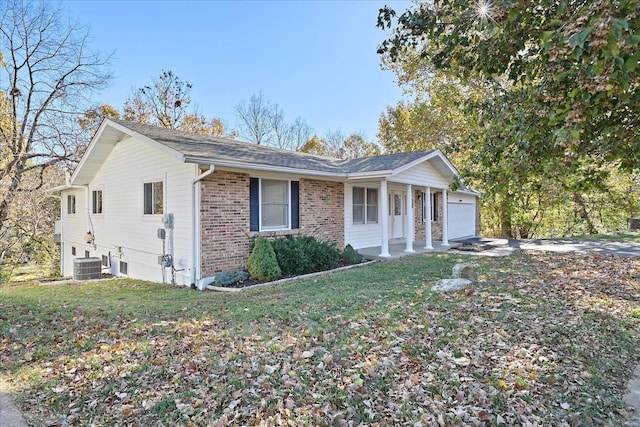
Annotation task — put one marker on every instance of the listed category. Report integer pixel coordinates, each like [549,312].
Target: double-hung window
[71,204]
[365,205]
[153,198]
[96,201]
[433,215]
[273,204]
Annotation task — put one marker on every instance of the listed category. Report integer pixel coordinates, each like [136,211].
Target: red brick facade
[224,222]
[225,238]
[322,210]
[419,225]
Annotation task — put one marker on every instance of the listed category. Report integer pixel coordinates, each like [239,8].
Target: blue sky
[316,59]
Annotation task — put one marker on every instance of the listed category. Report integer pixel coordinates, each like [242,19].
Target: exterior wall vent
[86,268]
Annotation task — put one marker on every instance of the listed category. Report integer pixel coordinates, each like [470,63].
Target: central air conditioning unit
[87,268]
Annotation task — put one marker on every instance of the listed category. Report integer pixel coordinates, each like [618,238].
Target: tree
[164,103]
[355,147]
[264,122]
[561,107]
[569,69]
[334,144]
[48,72]
[255,119]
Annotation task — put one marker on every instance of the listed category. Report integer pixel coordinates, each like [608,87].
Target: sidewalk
[9,414]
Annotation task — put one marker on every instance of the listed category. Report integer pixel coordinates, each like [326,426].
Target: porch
[398,249]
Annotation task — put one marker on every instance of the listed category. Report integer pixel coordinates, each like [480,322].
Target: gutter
[196,280]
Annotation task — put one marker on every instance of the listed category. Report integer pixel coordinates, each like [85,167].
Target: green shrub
[262,263]
[290,255]
[226,278]
[304,254]
[350,255]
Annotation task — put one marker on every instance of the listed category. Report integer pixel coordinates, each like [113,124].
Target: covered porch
[397,250]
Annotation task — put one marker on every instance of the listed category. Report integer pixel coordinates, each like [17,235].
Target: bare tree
[163,103]
[255,120]
[300,133]
[264,122]
[47,75]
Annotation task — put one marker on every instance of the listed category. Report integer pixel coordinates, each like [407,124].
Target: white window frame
[366,205]
[71,201]
[93,201]
[153,192]
[275,228]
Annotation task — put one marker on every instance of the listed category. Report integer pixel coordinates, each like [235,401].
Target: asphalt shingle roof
[214,148]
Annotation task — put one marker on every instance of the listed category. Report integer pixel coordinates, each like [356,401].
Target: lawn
[546,339]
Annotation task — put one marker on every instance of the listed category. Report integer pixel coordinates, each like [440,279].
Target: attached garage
[461,216]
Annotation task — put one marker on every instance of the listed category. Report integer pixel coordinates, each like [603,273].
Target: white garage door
[462,220]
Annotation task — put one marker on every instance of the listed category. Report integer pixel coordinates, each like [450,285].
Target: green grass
[371,344]
[619,236]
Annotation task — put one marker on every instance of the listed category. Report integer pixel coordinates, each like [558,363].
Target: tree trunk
[583,213]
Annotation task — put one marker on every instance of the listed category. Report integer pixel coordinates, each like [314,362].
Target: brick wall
[225,238]
[322,210]
[419,226]
[224,222]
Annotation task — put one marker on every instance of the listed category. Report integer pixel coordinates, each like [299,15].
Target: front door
[396,215]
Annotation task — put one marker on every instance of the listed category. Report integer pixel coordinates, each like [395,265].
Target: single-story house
[163,205]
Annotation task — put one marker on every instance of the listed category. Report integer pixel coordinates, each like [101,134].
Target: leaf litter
[545,339]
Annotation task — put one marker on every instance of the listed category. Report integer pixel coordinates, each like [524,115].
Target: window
[87,254]
[71,204]
[105,261]
[73,250]
[97,201]
[153,198]
[434,207]
[365,205]
[274,204]
[123,267]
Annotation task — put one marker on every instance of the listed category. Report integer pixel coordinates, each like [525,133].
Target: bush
[226,278]
[262,263]
[305,254]
[350,255]
[290,255]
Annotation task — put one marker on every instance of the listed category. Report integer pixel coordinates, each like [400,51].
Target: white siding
[123,223]
[360,235]
[423,174]
[74,228]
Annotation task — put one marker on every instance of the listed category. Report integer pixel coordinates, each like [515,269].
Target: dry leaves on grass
[547,340]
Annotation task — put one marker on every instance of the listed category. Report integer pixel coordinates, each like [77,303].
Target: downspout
[196,279]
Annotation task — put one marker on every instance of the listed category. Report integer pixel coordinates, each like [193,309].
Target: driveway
[500,247]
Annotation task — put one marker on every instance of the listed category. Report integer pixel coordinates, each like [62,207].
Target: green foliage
[552,129]
[262,263]
[350,255]
[226,278]
[290,255]
[304,254]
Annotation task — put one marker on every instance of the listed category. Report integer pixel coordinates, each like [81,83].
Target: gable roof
[203,149]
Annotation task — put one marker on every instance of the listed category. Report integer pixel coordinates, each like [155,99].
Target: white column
[409,210]
[445,219]
[427,221]
[384,219]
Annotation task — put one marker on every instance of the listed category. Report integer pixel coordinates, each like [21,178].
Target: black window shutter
[424,203]
[254,204]
[295,204]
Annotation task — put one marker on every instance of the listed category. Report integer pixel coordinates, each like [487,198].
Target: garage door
[462,220]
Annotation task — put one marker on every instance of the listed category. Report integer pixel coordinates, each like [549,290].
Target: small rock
[465,271]
[448,285]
